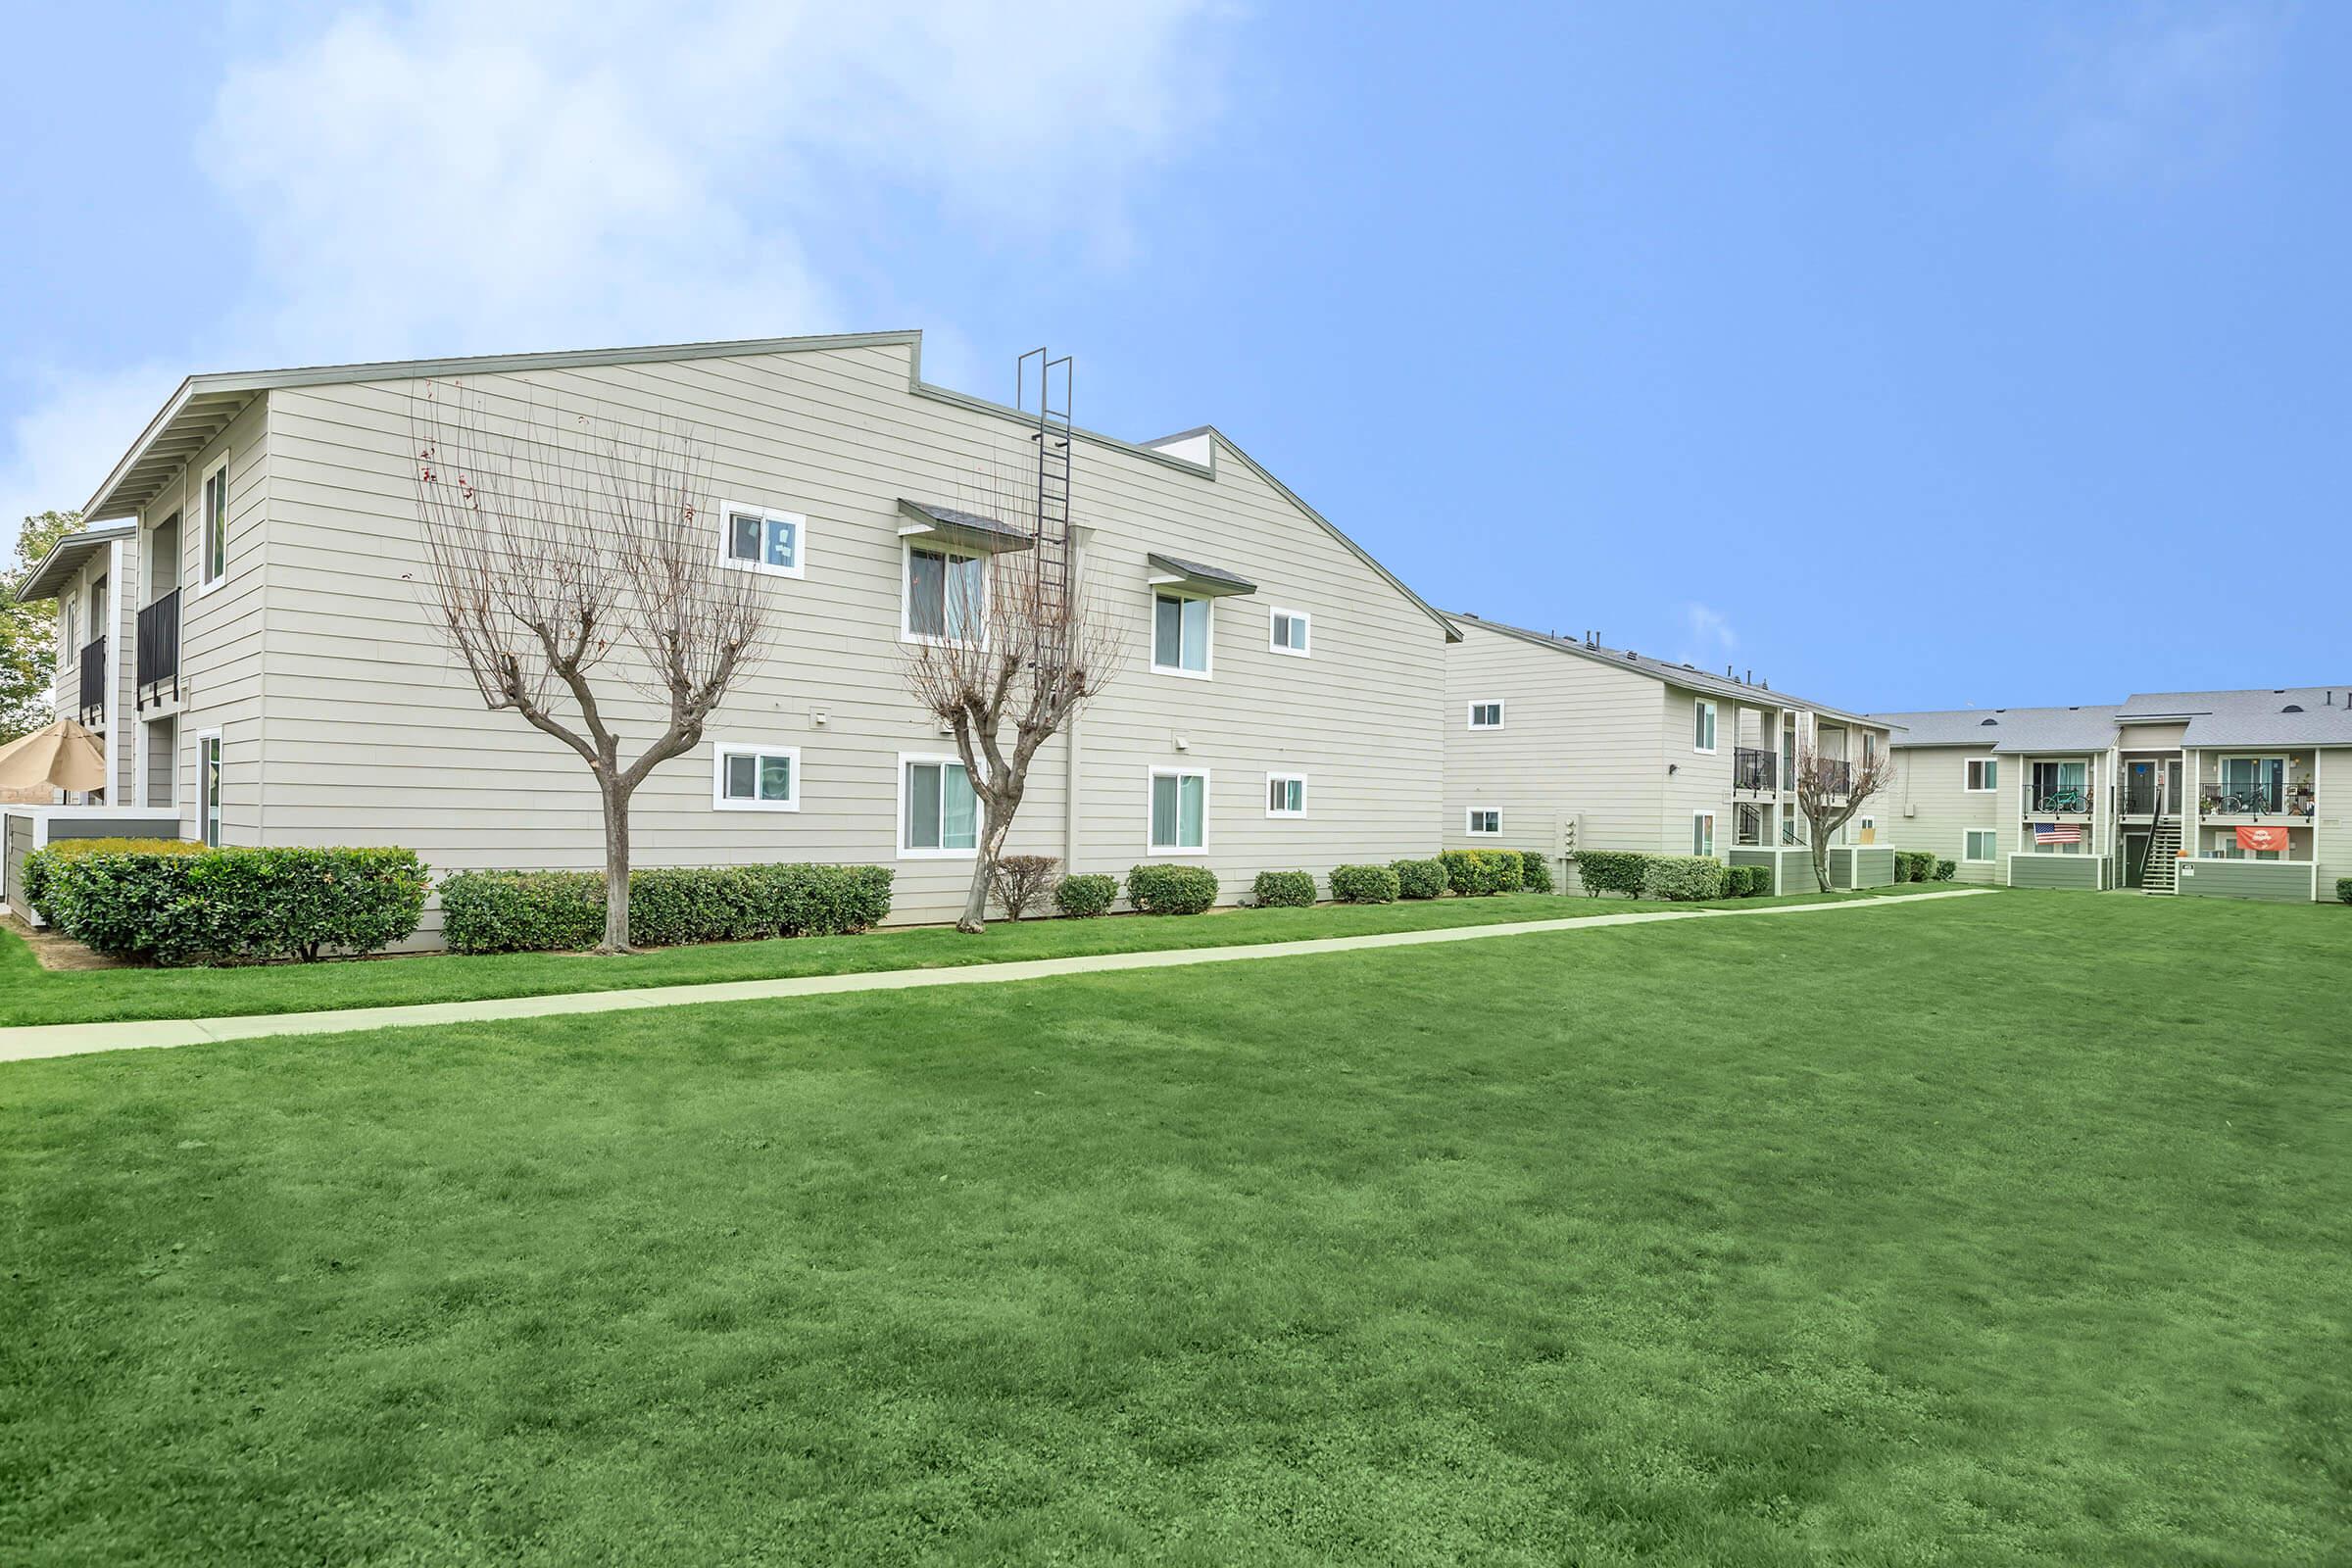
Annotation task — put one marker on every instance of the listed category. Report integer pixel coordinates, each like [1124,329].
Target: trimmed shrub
[1477,874]
[1086,896]
[1681,878]
[1946,870]
[1284,890]
[1611,871]
[1171,888]
[1417,879]
[1020,882]
[1535,871]
[2343,889]
[1746,881]
[39,863]
[1914,865]
[174,904]
[554,911]
[1375,884]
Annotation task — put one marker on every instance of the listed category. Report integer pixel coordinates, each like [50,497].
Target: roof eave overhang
[49,574]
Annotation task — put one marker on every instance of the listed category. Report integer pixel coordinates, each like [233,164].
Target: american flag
[2057,832]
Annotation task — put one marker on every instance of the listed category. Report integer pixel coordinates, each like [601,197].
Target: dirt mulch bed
[53,950]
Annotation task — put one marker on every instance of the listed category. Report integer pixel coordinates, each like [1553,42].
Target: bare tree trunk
[616,867]
[995,827]
[1821,861]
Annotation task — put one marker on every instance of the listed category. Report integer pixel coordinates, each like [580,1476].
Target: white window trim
[1470,712]
[1991,773]
[1283,778]
[204,807]
[1275,612]
[1992,833]
[727,510]
[1177,771]
[206,582]
[1208,627]
[906,851]
[721,749]
[1707,706]
[907,631]
[1697,817]
[1470,827]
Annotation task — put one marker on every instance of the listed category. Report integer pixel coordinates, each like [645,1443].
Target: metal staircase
[1052,522]
[2161,871]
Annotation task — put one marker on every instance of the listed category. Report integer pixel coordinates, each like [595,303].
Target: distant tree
[560,542]
[29,632]
[1829,789]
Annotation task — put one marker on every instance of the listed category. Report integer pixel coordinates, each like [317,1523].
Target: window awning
[1191,577]
[964,531]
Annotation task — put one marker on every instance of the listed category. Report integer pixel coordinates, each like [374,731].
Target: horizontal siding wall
[1929,807]
[376,736]
[2272,881]
[2080,871]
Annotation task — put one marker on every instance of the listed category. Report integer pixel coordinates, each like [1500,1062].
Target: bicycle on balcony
[2066,801]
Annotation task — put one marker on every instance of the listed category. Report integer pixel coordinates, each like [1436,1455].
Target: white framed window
[208,787]
[1482,822]
[939,816]
[945,594]
[1983,775]
[1702,725]
[1178,810]
[1702,832]
[757,539]
[1486,716]
[1286,632]
[215,564]
[1979,846]
[1181,634]
[1286,794]
[750,777]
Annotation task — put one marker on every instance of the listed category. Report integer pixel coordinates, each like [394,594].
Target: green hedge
[553,912]
[1946,870]
[1086,896]
[1535,871]
[175,904]
[1171,888]
[1746,881]
[1371,883]
[1284,890]
[2343,889]
[1914,865]
[1681,878]
[1419,879]
[1611,871]
[1477,874]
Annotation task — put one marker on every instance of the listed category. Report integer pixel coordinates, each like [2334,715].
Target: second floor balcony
[89,694]
[158,654]
[2057,798]
[1753,769]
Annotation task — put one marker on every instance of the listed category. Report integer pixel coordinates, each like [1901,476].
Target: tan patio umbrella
[63,755]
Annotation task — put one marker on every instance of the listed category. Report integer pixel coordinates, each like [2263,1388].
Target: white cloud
[468,179]
[1707,635]
[2170,96]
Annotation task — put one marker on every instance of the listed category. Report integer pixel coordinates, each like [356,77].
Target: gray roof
[1207,577]
[989,532]
[1688,676]
[65,558]
[2010,729]
[2214,718]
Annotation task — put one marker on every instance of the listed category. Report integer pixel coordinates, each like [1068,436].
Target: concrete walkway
[28,1043]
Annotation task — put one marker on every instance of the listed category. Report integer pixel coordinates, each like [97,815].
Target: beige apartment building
[244,623]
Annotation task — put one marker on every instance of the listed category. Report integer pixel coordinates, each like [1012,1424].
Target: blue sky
[1990,355]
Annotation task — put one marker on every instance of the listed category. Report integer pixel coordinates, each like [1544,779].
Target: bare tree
[1022,646]
[568,548]
[1829,789]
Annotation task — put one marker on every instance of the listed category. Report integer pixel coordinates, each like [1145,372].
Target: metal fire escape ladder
[1052,522]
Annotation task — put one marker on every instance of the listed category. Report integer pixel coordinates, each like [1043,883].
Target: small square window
[1288,634]
[1486,716]
[757,539]
[1485,821]
[1180,635]
[755,779]
[1286,794]
[1983,775]
[1179,811]
[941,814]
[1977,846]
[947,596]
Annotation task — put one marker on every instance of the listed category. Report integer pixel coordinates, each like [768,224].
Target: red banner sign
[2262,838]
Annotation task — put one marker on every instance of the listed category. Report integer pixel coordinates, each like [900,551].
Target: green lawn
[31,994]
[1991,1230]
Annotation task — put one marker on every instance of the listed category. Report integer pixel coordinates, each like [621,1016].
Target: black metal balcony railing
[2057,799]
[1834,777]
[2147,799]
[1751,768]
[158,653]
[2269,797]
[90,693]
